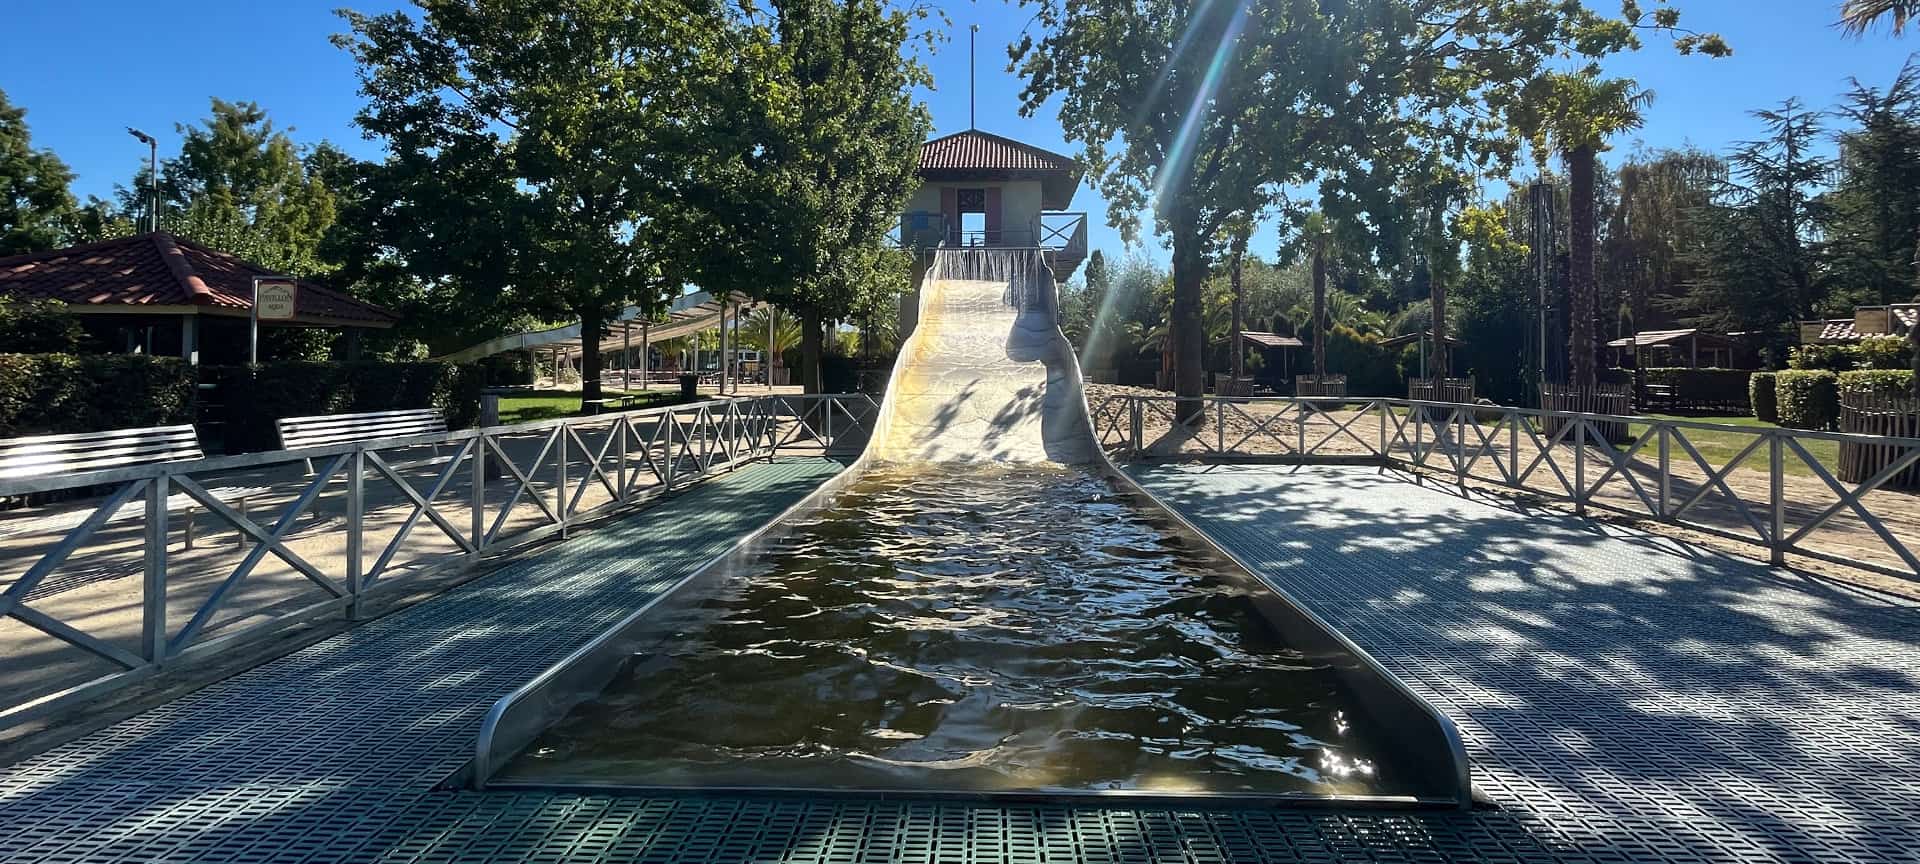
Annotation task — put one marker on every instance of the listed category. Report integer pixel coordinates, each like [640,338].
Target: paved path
[1633,698]
[1624,702]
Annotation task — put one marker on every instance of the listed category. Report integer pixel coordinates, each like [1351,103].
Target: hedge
[52,393]
[1761,395]
[244,401]
[1873,352]
[1807,398]
[1876,382]
[1703,389]
[1372,369]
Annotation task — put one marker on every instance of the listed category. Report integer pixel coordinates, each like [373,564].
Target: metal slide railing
[97,593]
[1769,488]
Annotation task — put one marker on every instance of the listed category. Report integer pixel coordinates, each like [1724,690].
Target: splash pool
[975,629]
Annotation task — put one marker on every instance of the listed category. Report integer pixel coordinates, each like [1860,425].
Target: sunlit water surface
[972,629]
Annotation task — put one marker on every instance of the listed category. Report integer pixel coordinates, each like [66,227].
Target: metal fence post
[1666,468]
[1386,410]
[1136,422]
[1513,448]
[479,489]
[153,591]
[620,427]
[1300,427]
[1777,499]
[356,528]
[1220,425]
[560,469]
[1580,466]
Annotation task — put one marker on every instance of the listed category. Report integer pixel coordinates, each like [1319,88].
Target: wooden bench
[319,431]
[78,453]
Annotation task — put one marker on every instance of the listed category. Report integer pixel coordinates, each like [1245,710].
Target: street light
[153,173]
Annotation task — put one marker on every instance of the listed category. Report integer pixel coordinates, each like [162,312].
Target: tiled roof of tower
[159,269]
[974,150]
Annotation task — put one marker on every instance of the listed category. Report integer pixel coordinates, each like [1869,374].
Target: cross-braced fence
[94,593]
[1774,489]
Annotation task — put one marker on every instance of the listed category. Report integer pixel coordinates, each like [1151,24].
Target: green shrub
[1883,352]
[1874,352]
[1702,388]
[1760,394]
[1807,398]
[52,393]
[1876,382]
[1372,369]
[38,327]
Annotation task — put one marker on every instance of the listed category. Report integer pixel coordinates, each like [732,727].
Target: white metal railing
[365,518]
[1756,485]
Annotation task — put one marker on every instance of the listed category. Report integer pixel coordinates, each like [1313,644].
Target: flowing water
[972,614]
[986,375]
[973,628]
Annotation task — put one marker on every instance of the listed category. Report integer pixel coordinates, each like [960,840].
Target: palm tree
[1316,229]
[1859,16]
[785,331]
[1576,114]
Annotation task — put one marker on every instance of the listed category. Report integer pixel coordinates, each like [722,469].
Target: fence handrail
[632,456]
[1815,434]
[1432,435]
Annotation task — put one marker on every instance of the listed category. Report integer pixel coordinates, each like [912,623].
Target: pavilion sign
[274,299]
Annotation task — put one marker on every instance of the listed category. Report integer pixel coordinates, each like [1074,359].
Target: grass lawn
[1717,447]
[548,404]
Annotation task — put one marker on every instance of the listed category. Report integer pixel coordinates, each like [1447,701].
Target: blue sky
[84,70]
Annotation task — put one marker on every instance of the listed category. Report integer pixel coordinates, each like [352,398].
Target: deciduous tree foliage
[811,148]
[36,209]
[1210,110]
[556,133]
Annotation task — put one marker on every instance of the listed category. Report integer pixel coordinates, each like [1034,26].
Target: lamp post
[153,175]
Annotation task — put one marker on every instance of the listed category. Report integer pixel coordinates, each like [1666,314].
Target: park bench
[322,430]
[84,452]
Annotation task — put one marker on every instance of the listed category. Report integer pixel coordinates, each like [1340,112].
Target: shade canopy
[690,314]
[1271,340]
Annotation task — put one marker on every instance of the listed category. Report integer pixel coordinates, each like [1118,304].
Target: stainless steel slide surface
[987,375]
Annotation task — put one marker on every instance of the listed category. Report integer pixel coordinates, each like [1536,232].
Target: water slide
[986,377]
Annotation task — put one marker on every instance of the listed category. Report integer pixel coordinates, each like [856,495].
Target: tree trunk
[1320,308]
[1239,351]
[1580,287]
[1437,293]
[810,343]
[590,325]
[1184,330]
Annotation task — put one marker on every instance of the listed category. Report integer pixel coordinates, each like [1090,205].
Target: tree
[810,154]
[241,186]
[785,331]
[1497,301]
[36,209]
[1574,114]
[1654,222]
[556,135]
[1778,175]
[1859,16]
[1252,98]
[1870,217]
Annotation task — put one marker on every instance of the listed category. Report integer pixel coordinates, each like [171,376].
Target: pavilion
[1680,348]
[164,295]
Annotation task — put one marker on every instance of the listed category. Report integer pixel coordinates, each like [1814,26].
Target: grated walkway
[1624,699]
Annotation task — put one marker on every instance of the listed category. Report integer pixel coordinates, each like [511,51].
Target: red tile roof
[160,269]
[974,150]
